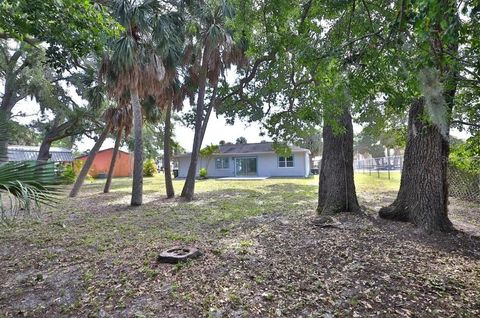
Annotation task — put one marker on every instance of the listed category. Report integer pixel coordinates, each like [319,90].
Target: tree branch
[13,60]
[369,15]
[460,122]
[21,67]
[306,9]
[250,76]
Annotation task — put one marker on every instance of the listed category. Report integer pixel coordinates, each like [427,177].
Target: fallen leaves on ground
[263,256]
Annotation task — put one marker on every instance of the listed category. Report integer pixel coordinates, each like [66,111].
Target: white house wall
[267,166]
[184,162]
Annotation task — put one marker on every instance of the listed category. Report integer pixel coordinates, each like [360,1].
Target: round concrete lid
[178,254]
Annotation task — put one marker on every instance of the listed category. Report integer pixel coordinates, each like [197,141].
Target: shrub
[203,173]
[77,167]
[68,174]
[466,155]
[149,168]
[464,169]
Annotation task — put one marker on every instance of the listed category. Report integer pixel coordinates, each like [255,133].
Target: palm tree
[88,163]
[121,119]
[117,119]
[94,93]
[136,68]
[167,152]
[210,52]
[175,94]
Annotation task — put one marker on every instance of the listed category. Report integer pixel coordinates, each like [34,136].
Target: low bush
[77,167]
[68,174]
[203,173]
[149,168]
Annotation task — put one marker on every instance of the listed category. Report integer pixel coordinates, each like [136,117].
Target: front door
[246,166]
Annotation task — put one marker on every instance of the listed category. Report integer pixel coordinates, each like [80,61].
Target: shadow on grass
[216,208]
[232,206]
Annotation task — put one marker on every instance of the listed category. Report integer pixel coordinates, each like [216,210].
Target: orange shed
[101,163]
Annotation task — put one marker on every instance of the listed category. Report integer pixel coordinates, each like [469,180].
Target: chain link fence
[380,167]
[462,184]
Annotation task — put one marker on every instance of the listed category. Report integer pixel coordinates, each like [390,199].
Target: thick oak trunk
[423,195]
[137,183]
[108,183]
[167,151]
[88,163]
[3,146]
[44,152]
[336,186]
[58,132]
[9,100]
[3,136]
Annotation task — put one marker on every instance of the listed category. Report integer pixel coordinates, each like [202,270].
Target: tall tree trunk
[6,107]
[108,183]
[11,96]
[3,136]
[88,163]
[336,186]
[423,195]
[167,151]
[137,183]
[210,107]
[189,186]
[44,152]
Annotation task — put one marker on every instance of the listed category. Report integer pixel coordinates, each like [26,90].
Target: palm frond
[214,66]
[122,11]
[25,186]
[124,55]
[120,117]
[168,34]
[142,13]
[95,96]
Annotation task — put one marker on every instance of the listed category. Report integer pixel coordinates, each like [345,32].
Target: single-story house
[27,153]
[103,158]
[250,160]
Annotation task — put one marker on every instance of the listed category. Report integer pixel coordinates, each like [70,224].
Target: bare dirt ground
[262,257]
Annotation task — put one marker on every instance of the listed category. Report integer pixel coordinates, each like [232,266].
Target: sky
[217,130]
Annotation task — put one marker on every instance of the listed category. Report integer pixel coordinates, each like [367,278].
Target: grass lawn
[94,256]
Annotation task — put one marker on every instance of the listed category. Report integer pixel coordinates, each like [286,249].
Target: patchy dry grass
[93,256]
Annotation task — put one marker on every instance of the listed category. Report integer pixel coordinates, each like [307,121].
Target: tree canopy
[70,28]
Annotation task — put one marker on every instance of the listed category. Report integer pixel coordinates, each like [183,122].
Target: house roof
[23,153]
[108,149]
[254,148]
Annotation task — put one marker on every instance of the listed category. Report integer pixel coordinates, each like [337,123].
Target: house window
[285,162]
[222,163]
